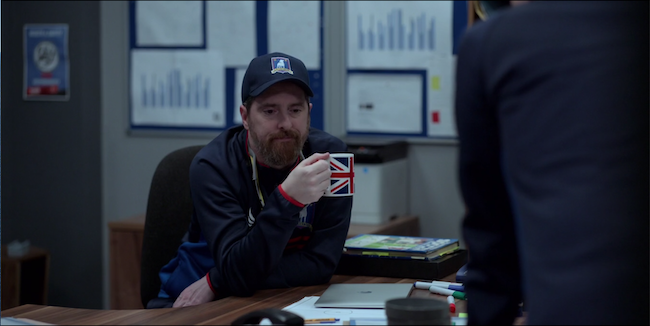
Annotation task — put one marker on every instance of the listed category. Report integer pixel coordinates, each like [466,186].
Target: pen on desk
[443,291]
[445,285]
[321,320]
[452,303]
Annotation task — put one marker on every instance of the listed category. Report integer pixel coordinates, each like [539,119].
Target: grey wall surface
[52,162]
[434,190]
[334,67]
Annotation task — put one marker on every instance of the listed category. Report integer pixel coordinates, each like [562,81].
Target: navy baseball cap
[266,70]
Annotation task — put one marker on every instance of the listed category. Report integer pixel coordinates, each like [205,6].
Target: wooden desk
[220,312]
[126,250]
[125,255]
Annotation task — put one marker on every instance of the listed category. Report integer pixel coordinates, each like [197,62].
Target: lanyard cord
[256,178]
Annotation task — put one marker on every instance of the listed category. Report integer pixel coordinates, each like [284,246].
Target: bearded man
[260,219]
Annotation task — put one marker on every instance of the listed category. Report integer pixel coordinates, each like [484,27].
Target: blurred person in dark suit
[552,115]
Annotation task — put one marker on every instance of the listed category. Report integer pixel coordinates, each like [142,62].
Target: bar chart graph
[395,32]
[181,88]
[172,90]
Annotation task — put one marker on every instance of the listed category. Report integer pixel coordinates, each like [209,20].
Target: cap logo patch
[281,65]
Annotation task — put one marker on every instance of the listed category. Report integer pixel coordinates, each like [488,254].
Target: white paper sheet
[294,29]
[389,103]
[239,79]
[397,34]
[179,88]
[441,85]
[305,308]
[169,23]
[230,28]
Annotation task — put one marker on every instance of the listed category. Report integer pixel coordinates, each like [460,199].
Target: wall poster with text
[46,62]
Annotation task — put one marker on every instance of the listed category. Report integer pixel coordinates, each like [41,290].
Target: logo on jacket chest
[306,217]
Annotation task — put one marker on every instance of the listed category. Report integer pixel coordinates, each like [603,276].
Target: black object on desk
[376,150]
[460,275]
[402,268]
[276,316]
[417,311]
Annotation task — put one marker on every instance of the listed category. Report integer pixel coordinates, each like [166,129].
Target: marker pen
[321,320]
[452,304]
[455,294]
[446,285]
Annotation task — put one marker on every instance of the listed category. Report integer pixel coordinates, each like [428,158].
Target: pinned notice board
[401,67]
[187,59]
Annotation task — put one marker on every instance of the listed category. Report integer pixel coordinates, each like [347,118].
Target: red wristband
[207,277]
[289,198]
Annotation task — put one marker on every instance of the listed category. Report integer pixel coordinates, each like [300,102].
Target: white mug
[342,179]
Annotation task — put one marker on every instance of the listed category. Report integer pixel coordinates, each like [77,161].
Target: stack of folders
[400,247]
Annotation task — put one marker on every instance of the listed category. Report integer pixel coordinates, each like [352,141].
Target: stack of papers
[306,309]
[404,247]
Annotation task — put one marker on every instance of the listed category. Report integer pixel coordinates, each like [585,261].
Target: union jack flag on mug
[342,178]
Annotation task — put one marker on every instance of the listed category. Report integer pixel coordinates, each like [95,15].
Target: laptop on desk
[362,295]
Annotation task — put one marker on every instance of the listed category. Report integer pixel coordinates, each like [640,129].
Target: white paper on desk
[305,308]
[169,23]
[231,30]
[303,42]
[389,103]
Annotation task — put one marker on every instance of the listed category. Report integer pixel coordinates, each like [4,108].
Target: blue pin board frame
[261,23]
[459,24]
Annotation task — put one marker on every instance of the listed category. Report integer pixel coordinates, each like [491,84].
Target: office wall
[51,161]
[129,160]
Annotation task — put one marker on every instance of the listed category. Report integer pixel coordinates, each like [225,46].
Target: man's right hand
[197,293]
[309,180]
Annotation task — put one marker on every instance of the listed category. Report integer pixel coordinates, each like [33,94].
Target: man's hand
[309,180]
[197,293]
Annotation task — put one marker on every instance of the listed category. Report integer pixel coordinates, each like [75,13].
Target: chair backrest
[169,212]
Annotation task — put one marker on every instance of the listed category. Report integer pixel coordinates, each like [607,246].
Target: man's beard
[279,154]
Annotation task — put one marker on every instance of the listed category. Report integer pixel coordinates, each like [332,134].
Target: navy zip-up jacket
[288,244]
